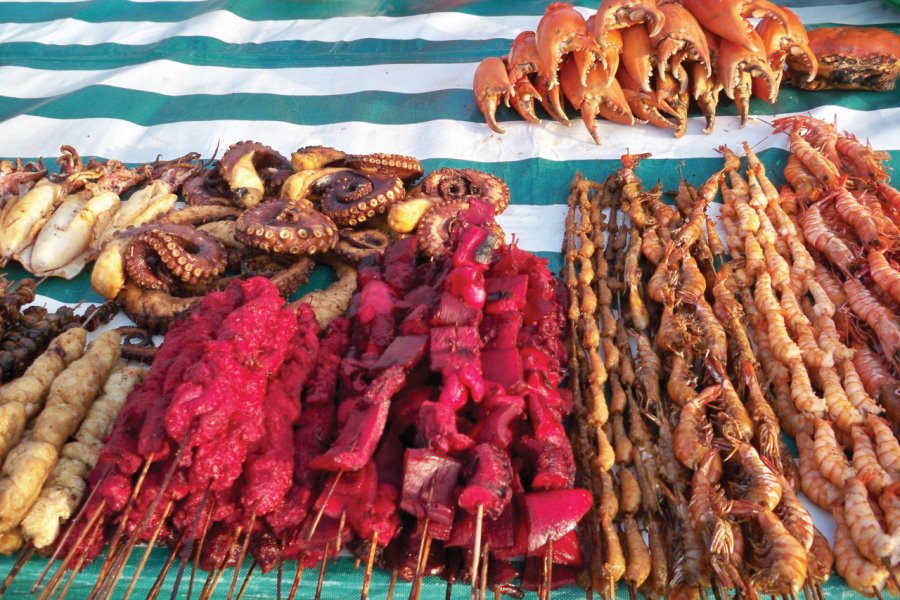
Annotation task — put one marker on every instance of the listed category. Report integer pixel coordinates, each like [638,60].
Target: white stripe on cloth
[178,79]
[438,26]
[31,136]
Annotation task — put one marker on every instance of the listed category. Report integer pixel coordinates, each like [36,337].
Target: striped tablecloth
[135,80]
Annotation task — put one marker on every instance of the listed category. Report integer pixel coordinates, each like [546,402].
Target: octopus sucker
[405,168]
[163,252]
[438,225]
[284,227]
[153,309]
[358,245]
[465,184]
[241,165]
[350,197]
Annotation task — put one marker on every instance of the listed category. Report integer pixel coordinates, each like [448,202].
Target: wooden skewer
[413,592]
[189,546]
[147,551]
[301,566]
[340,533]
[393,584]
[448,593]
[279,569]
[476,550]
[161,578]
[715,590]
[321,511]
[891,574]
[243,589]
[484,572]
[549,562]
[196,564]
[24,556]
[96,521]
[421,575]
[322,568]
[877,593]
[78,566]
[370,564]
[208,590]
[120,529]
[242,555]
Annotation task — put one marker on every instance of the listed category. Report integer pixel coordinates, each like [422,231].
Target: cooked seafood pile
[641,61]
[255,212]
[423,431]
[850,58]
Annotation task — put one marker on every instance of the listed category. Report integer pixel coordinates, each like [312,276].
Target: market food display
[636,62]
[703,400]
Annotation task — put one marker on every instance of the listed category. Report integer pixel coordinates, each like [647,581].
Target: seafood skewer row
[638,61]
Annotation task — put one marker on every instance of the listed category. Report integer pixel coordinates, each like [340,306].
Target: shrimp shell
[830,458]
[715,341]
[709,506]
[884,273]
[693,434]
[886,446]
[861,158]
[823,305]
[682,384]
[865,461]
[784,565]
[860,217]
[804,396]
[794,515]
[799,178]
[820,167]
[823,239]
[822,492]
[870,539]
[820,558]
[637,568]
[843,414]
[763,484]
[756,258]
[889,501]
[856,392]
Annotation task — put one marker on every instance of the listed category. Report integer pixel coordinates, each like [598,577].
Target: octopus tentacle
[351,197]
[153,309]
[185,253]
[240,167]
[436,229]
[360,244]
[465,184]
[177,171]
[201,214]
[144,267]
[405,168]
[205,189]
[285,227]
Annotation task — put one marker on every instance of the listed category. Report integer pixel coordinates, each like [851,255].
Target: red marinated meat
[467,284]
[489,480]
[566,551]
[315,429]
[269,470]
[475,245]
[399,260]
[500,331]
[500,533]
[454,346]
[416,321]
[503,367]
[495,417]
[375,298]
[552,460]
[406,351]
[358,438]
[551,515]
[350,494]
[545,422]
[452,310]
[430,485]
[438,428]
[505,293]
[380,517]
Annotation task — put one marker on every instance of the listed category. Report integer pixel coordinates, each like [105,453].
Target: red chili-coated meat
[551,515]
[489,481]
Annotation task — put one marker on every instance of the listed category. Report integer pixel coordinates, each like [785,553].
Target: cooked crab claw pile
[641,61]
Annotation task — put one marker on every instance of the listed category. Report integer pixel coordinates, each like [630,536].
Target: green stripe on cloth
[387,108]
[97,12]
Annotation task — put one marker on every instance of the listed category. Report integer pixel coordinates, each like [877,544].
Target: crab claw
[791,41]
[726,18]
[642,104]
[523,59]
[671,100]
[551,99]
[492,83]
[637,55]
[612,44]
[595,98]
[705,91]
[621,14]
[737,67]
[523,100]
[560,31]
[681,36]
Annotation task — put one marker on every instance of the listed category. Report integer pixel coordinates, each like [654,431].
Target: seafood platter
[702,397]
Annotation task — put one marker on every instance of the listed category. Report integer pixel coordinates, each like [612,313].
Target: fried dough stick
[67,484]
[71,395]
[22,398]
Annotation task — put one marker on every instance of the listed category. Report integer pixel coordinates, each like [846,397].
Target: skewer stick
[197,555]
[280,569]
[242,555]
[476,550]
[393,584]
[243,589]
[189,546]
[448,593]
[340,532]
[207,591]
[147,551]
[322,568]
[891,574]
[161,578]
[413,592]
[301,565]
[548,570]
[321,511]
[57,576]
[370,564]
[877,593]
[117,536]
[715,590]
[24,556]
[484,571]
[78,566]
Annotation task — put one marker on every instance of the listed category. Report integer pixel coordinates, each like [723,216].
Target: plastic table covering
[134,80]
